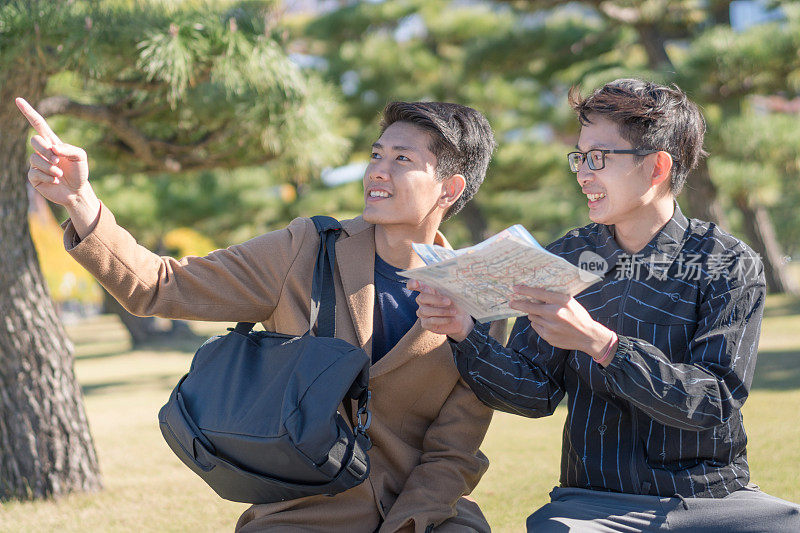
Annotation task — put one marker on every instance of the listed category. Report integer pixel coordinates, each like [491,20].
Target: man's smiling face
[400,183]
[618,192]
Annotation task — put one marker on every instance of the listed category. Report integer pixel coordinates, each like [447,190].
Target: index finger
[36,120]
[416,285]
[433,300]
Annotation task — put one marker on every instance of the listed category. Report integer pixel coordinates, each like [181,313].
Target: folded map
[480,279]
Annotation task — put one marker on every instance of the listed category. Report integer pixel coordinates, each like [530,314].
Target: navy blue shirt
[664,417]
[395,308]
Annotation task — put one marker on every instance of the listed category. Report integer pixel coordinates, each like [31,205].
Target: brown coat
[426,426]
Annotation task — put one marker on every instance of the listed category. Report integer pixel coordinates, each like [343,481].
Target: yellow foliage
[287,193]
[181,242]
[65,278]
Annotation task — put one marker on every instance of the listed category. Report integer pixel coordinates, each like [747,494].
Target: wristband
[609,353]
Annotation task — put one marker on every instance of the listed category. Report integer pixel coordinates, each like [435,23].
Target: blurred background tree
[515,60]
[418,50]
[150,88]
[689,43]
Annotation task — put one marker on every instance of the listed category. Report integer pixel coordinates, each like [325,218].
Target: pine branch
[156,155]
[133,138]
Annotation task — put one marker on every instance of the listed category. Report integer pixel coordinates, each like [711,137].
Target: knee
[245,518]
[791,517]
[545,520]
[469,518]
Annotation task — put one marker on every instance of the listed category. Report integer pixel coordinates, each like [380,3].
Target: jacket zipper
[633,469]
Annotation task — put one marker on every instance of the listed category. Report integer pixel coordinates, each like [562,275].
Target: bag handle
[323,292]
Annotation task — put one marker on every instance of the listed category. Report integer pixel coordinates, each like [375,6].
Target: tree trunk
[472,217]
[701,196]
[146,331]
[46,448]
[720,11]
[701,193]
[761,234]
[653,42]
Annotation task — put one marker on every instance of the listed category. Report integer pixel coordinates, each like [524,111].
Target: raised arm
[242,283]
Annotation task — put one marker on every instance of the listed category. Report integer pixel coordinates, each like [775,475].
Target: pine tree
[189,87]
[685,42]
[420,50]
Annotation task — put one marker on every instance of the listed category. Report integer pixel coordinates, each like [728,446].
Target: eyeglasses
[597,158]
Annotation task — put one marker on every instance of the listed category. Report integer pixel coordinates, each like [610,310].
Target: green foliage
[412,51]
[724,66]
[553,47]
[761,159]
[590,43]
[515,61]
[226,206]
[210,83]
[166,96]
[180,87]
[753,148]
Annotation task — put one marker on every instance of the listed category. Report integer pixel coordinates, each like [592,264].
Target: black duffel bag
[257,414]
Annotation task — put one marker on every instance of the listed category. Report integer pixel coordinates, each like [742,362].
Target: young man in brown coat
[427,425]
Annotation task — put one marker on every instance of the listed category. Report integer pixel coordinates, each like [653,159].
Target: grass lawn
[148,489]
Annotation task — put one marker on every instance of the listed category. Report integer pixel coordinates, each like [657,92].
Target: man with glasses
[657,359]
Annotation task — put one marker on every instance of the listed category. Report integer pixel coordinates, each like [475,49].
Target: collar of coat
[355,257]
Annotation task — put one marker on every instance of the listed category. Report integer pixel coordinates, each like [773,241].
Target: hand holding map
[480,278]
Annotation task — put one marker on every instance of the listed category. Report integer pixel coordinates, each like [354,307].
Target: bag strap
[323,307]
[323,292]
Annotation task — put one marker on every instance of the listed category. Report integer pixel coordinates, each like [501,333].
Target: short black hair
[461,139]
[652,117]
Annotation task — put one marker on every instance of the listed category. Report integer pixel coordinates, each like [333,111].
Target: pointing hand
[60,172]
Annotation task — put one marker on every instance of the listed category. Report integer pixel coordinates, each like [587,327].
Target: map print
[480,278]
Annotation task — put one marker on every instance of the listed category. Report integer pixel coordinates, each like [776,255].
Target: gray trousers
[746,510]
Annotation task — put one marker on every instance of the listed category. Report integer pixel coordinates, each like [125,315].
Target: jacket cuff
[71,238]
[470,346]
[625,347]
